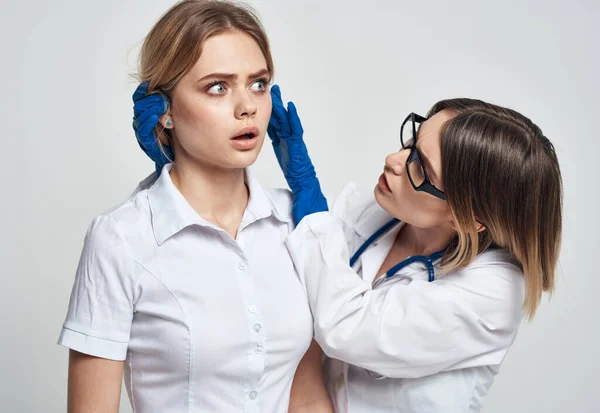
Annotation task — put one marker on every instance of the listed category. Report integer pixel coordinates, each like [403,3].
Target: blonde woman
[418,288]
[187,288]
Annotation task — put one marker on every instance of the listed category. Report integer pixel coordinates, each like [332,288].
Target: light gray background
[354,69]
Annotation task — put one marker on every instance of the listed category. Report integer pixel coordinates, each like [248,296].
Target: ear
[453,224]
[166,121]
[480,227]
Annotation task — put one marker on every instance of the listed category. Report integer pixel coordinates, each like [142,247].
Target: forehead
[431,129]
[230,52]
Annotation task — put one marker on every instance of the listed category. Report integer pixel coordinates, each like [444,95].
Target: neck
[218,195]
[425,241]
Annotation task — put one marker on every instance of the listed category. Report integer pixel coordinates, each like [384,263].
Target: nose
[396,161]
[245,106]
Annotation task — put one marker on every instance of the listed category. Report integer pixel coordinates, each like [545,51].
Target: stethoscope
[427,260]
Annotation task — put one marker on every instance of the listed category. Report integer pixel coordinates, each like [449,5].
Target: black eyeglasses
[414,163]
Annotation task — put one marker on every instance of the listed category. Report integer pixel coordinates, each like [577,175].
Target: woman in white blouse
[418,288]
[187,287]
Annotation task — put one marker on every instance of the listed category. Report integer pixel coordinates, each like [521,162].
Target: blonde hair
[174,44]
[500,170]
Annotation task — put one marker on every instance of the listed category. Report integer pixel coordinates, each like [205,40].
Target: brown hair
[500,170]
[175,43]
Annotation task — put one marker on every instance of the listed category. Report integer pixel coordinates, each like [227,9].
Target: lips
[245,139]
[383,184]
[246,133]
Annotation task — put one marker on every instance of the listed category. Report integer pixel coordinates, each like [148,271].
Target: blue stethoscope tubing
[427,260]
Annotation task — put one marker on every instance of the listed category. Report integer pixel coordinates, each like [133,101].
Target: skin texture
[94,384]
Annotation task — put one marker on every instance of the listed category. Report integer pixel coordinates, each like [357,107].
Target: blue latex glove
[285,131]
[146,112]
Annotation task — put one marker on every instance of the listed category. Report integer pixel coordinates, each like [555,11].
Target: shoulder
[496,262]
[113,227]
[145,183]
[492,266]
[357,208]
[493,284]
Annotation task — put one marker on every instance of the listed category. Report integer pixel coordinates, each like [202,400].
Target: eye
[416,169]
[216,88]
[260,85]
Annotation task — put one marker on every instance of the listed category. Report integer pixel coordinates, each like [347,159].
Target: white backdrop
[354,69]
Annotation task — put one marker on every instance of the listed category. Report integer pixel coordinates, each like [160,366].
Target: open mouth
[246,136]
[245,139]
[246,133]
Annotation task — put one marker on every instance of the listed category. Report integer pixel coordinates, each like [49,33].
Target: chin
[243,159]
[389,205]
[383,198]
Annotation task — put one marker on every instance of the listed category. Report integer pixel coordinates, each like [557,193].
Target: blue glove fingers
[147,110]
[275,90]
[157,100]
[156,103]
[295,123]
[272,132]
[142,116]
[141,100]
[146,128]
[140,92]
[273,125]
[279,116]
[147,140]
[283,122]
[276,96]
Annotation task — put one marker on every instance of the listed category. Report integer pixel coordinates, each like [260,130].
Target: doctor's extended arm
[465,319]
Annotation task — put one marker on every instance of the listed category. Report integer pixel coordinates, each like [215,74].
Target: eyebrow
[233,76]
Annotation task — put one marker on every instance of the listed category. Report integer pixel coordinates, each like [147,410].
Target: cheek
[428,213]
[399,203]
[264,107]
[416,208]
[198,113]
[201,123]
